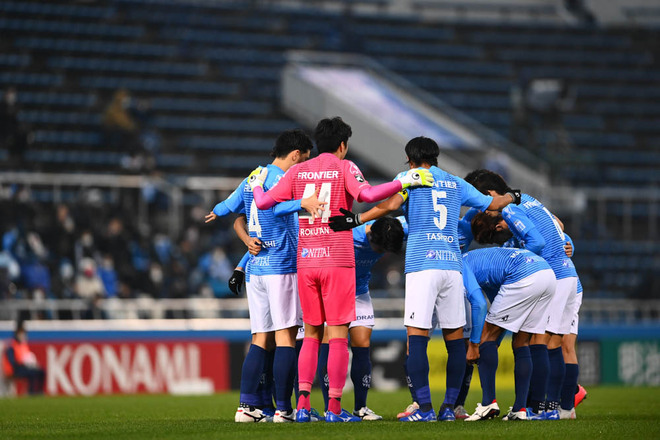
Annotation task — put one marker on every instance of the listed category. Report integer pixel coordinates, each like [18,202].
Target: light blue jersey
[535,229]
[494,267]
[478,304]
[366,257]
[432,215]
[570,240]
[465,236]
[277,231]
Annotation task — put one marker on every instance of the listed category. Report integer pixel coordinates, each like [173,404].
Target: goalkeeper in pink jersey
[326,259]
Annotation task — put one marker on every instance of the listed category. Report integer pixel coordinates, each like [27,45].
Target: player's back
[432,214]
[320,246]
[553,251]
[495,266]
[277,234]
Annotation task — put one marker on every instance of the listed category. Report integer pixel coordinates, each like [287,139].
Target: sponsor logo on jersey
[567,263]
[310,232]
[321,252]
[366,263]
[432,254]
[359,178]
[520,226]
[532,204]
[316,175]
[529,260]
[268,243]
[260,261]
[439,236]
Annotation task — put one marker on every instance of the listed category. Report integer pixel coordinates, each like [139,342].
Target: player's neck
[283,164]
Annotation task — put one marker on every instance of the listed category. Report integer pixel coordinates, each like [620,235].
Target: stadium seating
[210,71]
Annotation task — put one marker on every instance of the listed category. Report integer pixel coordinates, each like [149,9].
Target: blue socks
[253,367]
[556,378]
[361,375]
[322,372]
[284,372]
[487,368]
[538,385]
[456,353]
[418,370]
[522,372]
[267,382]
[411,388]
[570,384]
[465,387]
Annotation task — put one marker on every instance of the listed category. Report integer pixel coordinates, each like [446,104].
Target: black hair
[291,140]
[485,180]
[484,229]
[387,233]
[422,150]
[330,133]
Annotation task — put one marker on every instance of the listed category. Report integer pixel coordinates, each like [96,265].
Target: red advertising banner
[178,367]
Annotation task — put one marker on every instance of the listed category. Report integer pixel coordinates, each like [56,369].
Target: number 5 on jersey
[441,220]
[324,196]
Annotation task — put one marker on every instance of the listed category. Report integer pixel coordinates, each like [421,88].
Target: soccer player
[571,392]
[371,241]
[272,287]
[519,285]
[535,228]
[326,260]
[434,283]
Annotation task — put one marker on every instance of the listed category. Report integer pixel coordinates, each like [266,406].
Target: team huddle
[308,267]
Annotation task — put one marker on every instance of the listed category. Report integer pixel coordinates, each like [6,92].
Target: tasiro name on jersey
[315,252]
[268,244]
[432,254]
[445,184]
[314,175]
[307,232]
[440,236]
[260,261]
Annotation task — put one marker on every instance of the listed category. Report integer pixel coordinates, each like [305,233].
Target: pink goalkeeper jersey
[339,182]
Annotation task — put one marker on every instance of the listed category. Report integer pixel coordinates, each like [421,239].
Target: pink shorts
[327,294]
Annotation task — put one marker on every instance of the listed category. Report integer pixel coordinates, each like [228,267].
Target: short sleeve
[470,196]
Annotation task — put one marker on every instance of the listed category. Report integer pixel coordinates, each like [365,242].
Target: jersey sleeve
[288,207]
[404,223]
[355,181]
[523,229]
[233,203]
[243,263]
[477,303]
[284,189]
[470,196]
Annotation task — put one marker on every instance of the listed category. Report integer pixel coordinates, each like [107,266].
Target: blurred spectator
[14,137]
[216,269]
[108,276]
[122,131]
[88,284]
[10,272]
[19,362]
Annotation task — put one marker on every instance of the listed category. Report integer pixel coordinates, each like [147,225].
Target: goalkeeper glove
[236,281]
[516,194]
[257,177]
[416,177]
[344,222]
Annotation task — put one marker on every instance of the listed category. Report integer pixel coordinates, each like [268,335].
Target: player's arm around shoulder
[233,203]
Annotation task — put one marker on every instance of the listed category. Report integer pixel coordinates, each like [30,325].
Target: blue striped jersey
[478,306]
[465,236]
[365,256]
[493,267]
[531,215]
[278,235]
[432,214]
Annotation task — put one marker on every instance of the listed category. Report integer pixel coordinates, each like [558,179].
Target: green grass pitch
[609,412]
